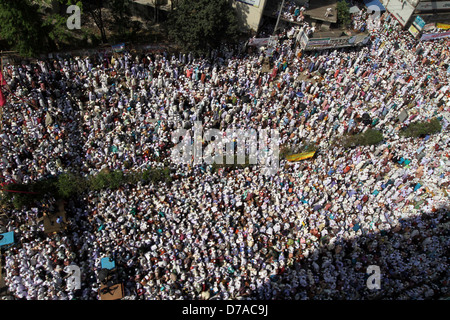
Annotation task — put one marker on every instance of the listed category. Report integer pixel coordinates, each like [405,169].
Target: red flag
[2,80]
[2,99]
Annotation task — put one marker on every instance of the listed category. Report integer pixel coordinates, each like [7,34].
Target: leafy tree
[56,29]
[94,9]
[116,179]
[343,13]
[120,10]
[422,128]
[20,26]
[99,181]
[198,25]
[69,185]
[367,138]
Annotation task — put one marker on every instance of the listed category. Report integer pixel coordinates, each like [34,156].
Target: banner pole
[278,19]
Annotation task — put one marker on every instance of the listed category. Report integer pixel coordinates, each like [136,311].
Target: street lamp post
[278,19]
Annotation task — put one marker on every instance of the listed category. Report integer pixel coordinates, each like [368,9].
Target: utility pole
[278,19]
[1,87]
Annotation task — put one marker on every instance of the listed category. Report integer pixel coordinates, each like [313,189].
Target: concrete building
[406,11]
[249,13]
[320,13]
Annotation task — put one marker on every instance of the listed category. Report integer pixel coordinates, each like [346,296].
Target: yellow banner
[300,156]
[413,31]
[442,26]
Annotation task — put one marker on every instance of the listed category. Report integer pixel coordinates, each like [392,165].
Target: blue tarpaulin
[7,238]
[369,3]
[108,263]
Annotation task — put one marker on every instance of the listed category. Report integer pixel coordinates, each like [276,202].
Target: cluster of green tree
[366,138]
[31,27]
[68,185]
[421,128]
[343,13]
[201,25]
[234,165]
[370,137]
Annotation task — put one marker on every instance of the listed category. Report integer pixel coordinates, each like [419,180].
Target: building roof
[317,9]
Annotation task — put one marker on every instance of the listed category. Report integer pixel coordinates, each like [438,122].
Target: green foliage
[285,150]
[422,128]
[94,9]
[133,178]
[307,146]
[116,179]
[67,2]
[57,31]
[29,29]
[20,26]
[198,25]
[367,138]
[67,185]
[155,175]
[99,181]
[343,13]
[234,165]
[20,200]
[120,10]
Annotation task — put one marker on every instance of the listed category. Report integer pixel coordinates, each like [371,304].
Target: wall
[401,10]
[249,15]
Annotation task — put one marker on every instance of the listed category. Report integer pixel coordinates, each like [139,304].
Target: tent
[354,9]
[377,3]
[402,116]
[108,263]
[7,239]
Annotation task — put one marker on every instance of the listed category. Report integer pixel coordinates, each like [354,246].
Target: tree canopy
[198,25]
[422,128]
[367,138]
[343,13]
[20,26]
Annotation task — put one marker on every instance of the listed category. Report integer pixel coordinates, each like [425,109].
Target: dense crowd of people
[308,232]
[292,10]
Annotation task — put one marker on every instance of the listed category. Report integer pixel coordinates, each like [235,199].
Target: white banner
[254,3]
[429,26]
[258,42]
[432,36]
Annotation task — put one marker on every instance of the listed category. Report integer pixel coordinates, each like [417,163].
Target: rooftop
[318,8]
